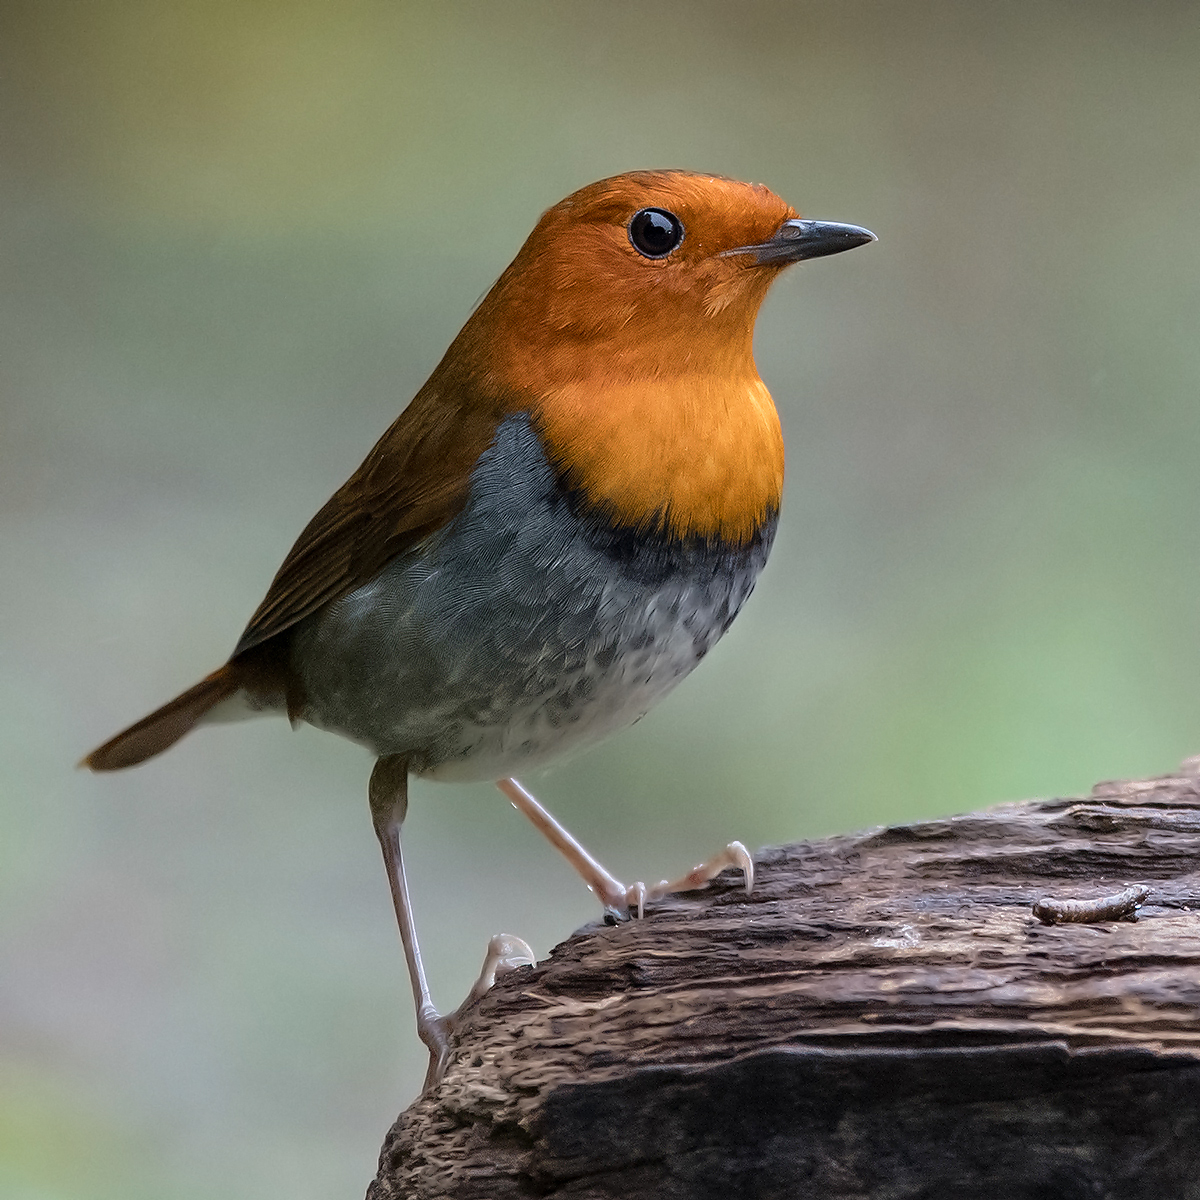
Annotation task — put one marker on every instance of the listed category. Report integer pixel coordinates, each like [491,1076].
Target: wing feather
[413,482]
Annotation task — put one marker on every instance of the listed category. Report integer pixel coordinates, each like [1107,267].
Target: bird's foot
[505,953]
[734,855]
[617,899]
[622,900]
[435,1031]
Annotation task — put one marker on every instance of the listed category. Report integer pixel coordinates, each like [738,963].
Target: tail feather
[165,726]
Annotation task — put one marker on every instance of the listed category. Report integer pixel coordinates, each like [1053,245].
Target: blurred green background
[236,235]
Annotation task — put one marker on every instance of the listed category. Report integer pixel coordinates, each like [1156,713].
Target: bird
[553,533]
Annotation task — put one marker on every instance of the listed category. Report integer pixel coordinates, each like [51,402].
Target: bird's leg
[608,889]
[388,793]
[616,898]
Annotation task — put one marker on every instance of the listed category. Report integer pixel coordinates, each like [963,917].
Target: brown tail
[165,726]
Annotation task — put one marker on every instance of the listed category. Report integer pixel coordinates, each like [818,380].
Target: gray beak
[797,240]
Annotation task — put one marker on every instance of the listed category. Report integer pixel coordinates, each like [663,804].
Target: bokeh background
[236,235]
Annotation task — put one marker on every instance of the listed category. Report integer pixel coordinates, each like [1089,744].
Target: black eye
[655,232]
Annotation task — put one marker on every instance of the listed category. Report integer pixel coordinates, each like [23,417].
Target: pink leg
[616,898]
[388,793]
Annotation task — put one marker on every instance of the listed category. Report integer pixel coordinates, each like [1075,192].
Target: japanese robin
[552,534]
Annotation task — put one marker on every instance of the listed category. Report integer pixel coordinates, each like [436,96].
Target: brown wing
[411,484]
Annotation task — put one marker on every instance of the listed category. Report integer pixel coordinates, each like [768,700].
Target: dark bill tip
[797,240]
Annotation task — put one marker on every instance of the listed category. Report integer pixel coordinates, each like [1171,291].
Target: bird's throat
[691,455]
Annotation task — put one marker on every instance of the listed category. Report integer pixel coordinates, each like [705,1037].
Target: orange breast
[693,453]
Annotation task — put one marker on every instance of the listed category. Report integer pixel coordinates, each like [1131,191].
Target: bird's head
[647,272]
[625,327]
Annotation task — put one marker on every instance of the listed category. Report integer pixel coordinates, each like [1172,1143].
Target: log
[884,1016]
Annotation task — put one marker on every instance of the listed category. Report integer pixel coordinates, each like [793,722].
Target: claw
[505,953]
[635,894]
[631,897]
[744,860]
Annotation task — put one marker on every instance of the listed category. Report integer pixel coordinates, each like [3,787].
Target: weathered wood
[884,1017]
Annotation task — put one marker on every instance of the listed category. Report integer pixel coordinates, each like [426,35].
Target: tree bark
[884,1017]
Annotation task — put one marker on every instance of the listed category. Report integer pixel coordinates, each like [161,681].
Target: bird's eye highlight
[654,232]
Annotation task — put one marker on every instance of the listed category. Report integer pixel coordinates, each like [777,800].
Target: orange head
[625,326]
